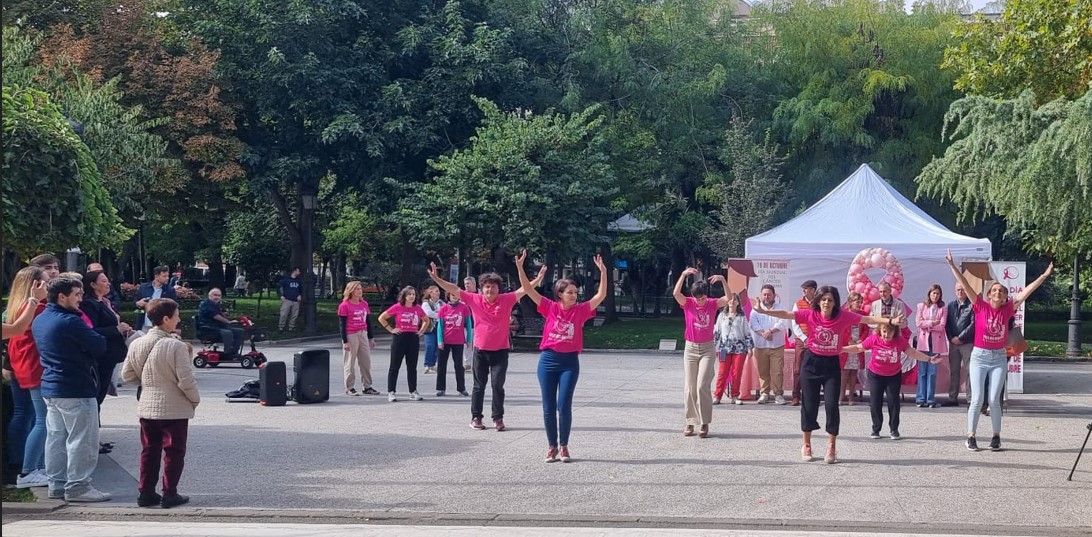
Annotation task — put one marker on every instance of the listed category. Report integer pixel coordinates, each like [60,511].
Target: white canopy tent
[862,213]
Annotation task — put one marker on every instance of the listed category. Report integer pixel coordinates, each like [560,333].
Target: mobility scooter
[212,356]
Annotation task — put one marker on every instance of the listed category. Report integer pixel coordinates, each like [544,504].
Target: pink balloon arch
[871,258]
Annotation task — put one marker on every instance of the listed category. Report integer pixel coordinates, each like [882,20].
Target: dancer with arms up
[562,341]
[991,332]
[699,354]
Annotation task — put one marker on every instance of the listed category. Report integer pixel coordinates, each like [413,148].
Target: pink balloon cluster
[869,258]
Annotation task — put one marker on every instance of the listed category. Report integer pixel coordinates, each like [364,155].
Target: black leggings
[405,346]
[819,372]
[878,387]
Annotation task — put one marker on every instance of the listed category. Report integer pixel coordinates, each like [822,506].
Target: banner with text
[1011,275]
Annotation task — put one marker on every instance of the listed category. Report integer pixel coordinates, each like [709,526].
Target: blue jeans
[927,383]
[557,376]
[72,444]
[34,454]
[22,418]
[992,364]
[430,349]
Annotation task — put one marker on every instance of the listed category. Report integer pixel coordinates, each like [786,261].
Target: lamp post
[1074,348]
[308,204]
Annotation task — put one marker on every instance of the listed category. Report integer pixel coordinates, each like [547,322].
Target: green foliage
[750,193]
[352,230]
[527,180]
[862,84]
[1041,45]
[1032,165]
[130,157]
[53,194]
[254,241]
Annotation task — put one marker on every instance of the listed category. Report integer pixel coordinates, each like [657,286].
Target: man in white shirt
[769,336]
[470,285]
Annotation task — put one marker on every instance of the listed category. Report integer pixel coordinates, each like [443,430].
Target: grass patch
[267,315]
[1055,331]
[1054,348]
[12,494]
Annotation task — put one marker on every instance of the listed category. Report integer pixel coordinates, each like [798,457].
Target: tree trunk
[409,257]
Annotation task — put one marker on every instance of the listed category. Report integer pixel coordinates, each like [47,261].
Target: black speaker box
[312,382]
[273,388]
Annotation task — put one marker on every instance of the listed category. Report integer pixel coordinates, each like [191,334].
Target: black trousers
[441,368]
[879,387]
[489,365]
[819,373]
[404,347]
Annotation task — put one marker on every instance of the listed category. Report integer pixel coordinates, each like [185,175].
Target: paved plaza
[363,460]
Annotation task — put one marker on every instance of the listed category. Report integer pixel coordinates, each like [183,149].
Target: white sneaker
[780,399]
[737,401]
[763,399]
[416,396]
[90,495]
[731,400]
[36,478]
[390,397]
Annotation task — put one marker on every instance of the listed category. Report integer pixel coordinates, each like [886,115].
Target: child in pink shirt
[885,373]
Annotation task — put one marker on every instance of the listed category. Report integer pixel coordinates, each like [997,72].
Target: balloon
[877,260]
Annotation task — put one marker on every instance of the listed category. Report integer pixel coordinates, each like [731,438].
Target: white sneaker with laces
[416,396]
[780,400]
[737,401]
[90,495]
[391,398]
[763,399]
[36,478]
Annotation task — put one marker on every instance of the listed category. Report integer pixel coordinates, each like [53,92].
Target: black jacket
[960,322]
[105,322]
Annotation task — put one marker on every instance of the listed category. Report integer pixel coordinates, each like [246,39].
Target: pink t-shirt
[356,315]
[454,317]
[490,320]
[564,329]
[886,355]
[991,326]
[406,319]
[700,320]
[826,337]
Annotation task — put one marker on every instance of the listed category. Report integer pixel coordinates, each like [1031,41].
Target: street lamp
[308,203]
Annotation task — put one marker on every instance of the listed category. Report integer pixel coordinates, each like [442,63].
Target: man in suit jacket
[157,288]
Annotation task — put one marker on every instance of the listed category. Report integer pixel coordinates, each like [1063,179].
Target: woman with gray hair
[159,362]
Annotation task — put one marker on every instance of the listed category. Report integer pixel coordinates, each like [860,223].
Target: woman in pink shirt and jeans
[699,354]
[828,325]
[988,359]
[562,341]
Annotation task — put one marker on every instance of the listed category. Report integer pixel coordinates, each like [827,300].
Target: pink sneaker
[499,424]
[805,453]
[564,455]
[476,423]
[551,454]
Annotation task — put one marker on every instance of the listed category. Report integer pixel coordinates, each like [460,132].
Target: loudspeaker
[273,387]
[312,382]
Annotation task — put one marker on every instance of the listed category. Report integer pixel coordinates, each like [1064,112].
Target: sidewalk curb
[42,504]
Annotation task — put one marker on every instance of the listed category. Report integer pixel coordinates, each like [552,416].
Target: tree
[860,82]
[53,194]
[750,193]
[1012,155]
[540,181]
[252,242]
[1041,45]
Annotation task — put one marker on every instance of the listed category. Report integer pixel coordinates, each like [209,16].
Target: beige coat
[160,363]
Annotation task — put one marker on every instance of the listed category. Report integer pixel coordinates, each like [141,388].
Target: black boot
[148,499]
[173,500]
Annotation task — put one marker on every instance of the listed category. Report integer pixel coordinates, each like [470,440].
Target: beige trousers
[771,370]
[360,356]
[290,311]
[699,366]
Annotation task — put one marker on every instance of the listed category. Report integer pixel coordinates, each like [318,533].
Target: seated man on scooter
[211,318]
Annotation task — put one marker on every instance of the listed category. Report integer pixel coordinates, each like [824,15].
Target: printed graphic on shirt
[702,319]
[563,331]
[408,318]
[359,316]
[825,340]
[454,319]
[995,327]
[886,355]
